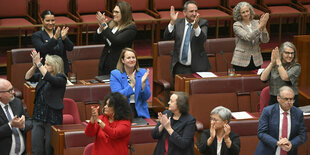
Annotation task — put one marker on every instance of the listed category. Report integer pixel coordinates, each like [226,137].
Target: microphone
[222,54]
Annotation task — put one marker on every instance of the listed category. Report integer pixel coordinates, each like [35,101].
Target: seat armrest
[164,83]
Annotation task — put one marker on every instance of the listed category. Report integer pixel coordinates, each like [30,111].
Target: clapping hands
[18,122]
[94,113]
[35,57]
[101,20]
[173,15]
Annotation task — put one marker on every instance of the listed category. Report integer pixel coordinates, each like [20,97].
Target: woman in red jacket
[112,129]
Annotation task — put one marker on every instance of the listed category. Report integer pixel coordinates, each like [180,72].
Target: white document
[260,71]
[241,115]
[206,74]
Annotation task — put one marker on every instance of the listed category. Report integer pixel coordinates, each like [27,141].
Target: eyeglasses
[214,119]
[7,91]
[289,53]
[288,99]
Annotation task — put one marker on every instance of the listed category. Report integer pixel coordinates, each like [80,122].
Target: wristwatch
[99,121]
[104,24]
[39,65]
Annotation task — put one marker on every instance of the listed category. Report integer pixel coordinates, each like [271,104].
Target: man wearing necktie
[281,127]
[14,121]
[189,34]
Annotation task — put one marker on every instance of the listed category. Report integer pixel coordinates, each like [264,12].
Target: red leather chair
[281,11]
[70,112]
[264,99]
[63,15]
[14,13]
[88,149]
[216,13]
[162,8]
[258,9]
[86,12]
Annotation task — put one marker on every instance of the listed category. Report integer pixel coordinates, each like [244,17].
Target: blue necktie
[186,43]
[14,130]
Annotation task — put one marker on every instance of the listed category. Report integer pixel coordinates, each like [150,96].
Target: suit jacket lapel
[3,115]
[276,115]
[293,120]
[13,107]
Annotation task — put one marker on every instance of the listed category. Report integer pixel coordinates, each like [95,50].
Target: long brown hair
[126,12]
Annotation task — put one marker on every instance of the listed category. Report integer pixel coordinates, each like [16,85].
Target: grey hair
[237,8]
[189,2]
[285,88]
[224,113]
[281,51]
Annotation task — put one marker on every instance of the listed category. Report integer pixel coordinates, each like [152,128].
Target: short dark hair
[189,2]
[120,105]
[182,101]
[46,12]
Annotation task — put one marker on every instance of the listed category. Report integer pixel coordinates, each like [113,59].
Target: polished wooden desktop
[181,79]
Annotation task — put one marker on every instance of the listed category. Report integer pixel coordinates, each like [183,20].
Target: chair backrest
[227,46]
[233,3]
[304,1]
[137,5]
[18,63]
[13,8]
[91,6]
[71,112]
[209,4]
[165,5]
[264,98]
[57,6]
[162,61]
[88,149]
[276,2]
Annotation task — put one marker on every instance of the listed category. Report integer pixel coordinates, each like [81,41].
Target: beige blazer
[248,44]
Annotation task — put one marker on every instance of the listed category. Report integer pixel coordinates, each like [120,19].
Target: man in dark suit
[14,121]
[190,34]
[281,127]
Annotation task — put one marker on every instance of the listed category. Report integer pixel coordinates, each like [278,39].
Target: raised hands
[227,130]
[64,32]
[144,78]
[94,113]
[57,33]
[197,18]
[132,79]
[173,15]
[35,57]
[18,122]
[263,21]
[275,56]
[101,20]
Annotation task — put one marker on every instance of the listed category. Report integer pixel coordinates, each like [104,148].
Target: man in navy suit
[281,127]
[14,121]
[190,34]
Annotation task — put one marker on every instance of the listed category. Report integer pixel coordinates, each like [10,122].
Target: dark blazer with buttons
[53,88]
[5,130]
[200,61]
[268,130]
[46,45]
[119,40]
[182,139]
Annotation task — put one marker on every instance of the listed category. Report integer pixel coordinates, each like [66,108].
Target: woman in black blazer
[52,41]
[219,139]
[116,34]
[48,103]
[176,128]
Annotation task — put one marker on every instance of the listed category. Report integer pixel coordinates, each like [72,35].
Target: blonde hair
[120,65]
[56,62]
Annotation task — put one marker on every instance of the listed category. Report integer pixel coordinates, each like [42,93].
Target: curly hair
[120,105]
[237,8]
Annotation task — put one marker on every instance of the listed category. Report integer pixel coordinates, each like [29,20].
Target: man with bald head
[281,127]
[14,121]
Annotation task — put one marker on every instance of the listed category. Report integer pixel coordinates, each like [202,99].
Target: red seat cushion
[67,119]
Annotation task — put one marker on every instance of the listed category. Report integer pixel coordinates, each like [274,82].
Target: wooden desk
[139,134]
[181,79]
